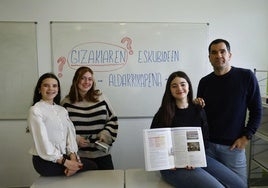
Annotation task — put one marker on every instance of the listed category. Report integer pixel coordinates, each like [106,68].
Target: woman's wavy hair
[37,95]
[74,95]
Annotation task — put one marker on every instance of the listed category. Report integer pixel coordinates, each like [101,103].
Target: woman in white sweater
[55,148]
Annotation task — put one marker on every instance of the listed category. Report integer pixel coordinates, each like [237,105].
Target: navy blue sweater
[227,98]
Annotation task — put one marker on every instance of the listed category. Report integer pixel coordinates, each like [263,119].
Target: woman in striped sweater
[92,116]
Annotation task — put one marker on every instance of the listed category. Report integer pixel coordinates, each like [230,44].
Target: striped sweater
[93,120]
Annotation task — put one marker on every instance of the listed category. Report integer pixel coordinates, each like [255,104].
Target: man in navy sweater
[228,93]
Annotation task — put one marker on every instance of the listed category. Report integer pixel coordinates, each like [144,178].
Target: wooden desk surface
[96,179]
[140,178]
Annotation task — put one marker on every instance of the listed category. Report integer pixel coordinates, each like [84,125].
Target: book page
[158,149]
[188,147]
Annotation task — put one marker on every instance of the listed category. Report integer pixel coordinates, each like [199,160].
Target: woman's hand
[82,142]
[68,172]
[189,167]
[72,166]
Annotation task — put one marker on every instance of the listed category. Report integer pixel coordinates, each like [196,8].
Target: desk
[140,178]
[96,179]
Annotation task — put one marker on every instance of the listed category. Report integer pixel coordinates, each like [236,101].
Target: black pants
[104,163]
[48,168]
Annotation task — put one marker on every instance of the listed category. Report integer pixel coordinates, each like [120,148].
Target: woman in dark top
[178,110]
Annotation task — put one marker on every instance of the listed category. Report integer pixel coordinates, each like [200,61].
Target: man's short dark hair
[217,41]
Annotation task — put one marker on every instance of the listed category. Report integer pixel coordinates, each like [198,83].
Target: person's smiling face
[179,88]
[85,83]
[49,89]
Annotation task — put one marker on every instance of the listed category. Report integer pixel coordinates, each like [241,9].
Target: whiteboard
[131,61]
[18,73]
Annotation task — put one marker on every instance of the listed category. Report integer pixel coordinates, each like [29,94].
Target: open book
[167,148]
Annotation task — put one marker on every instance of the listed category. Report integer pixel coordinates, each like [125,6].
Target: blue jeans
[215,175]
[224,174]
[197,178]
[235,159]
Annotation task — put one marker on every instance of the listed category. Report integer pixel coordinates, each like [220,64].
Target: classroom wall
[243,22]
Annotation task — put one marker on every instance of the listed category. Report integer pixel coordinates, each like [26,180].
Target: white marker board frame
[19,68]
[131,60]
